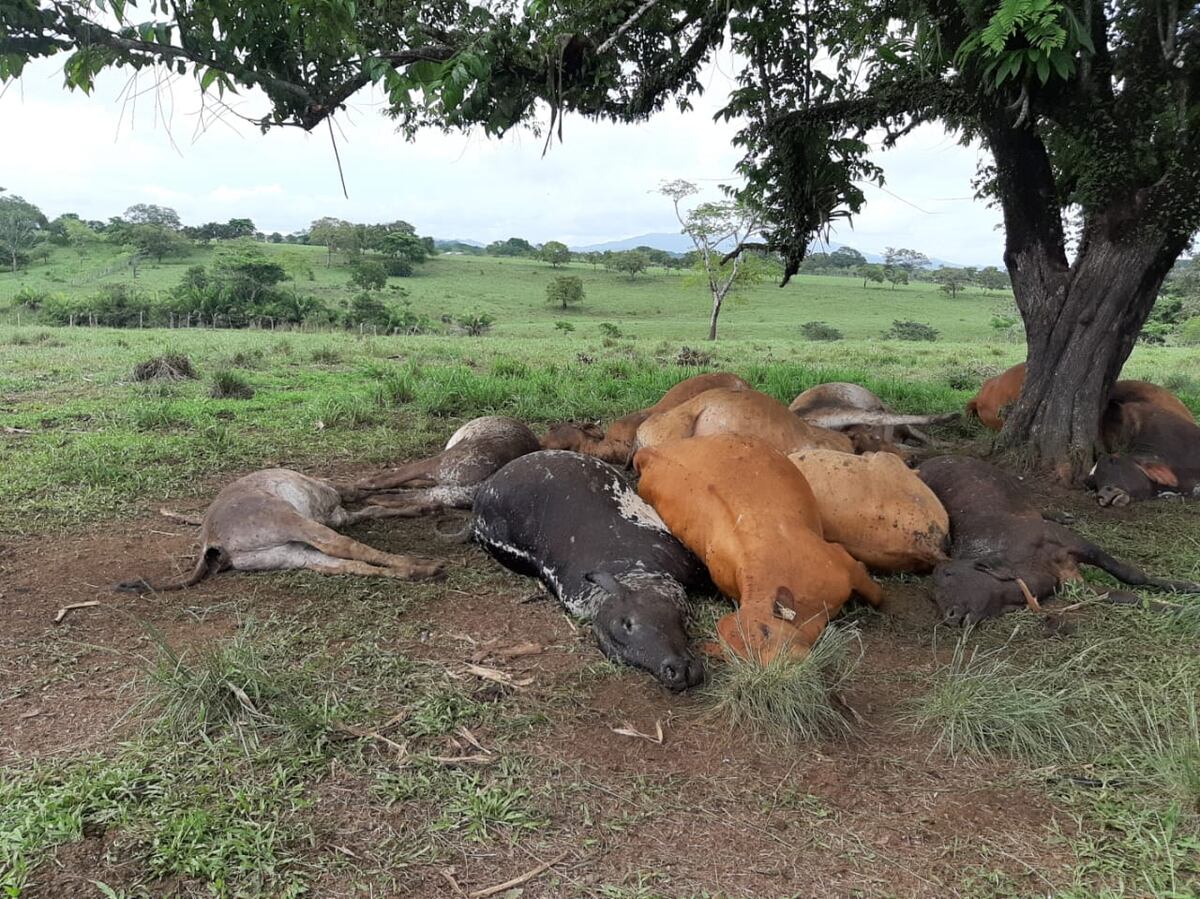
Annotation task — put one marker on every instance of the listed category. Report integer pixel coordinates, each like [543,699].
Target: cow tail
[211,561]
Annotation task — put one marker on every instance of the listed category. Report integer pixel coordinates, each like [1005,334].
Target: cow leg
[390,510]
[1091,554]
[293,556]
[340,546]
[431,499]
[422,473]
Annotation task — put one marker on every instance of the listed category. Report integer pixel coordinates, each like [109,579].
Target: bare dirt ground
[707,812]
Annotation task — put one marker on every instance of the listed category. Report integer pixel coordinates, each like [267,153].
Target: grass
[229,385]
[787,699]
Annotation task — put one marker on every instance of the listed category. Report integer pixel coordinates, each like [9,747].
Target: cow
[995,397]
[1150,450]
[745,412]
[576,524]
[1145,392]
[1004,554]
[876,507]
[748,512]
[277,519]
[842,406]
[449,479]
[616,444]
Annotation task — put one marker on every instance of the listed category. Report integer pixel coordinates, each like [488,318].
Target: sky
[139,142]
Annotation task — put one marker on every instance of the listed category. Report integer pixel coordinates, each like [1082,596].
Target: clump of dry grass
[169,367]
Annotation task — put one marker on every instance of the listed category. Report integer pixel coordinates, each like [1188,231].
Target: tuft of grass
[479,810]
[351,411]
[982,701]
[169,367]
[251,358]
[229,385]
[325,355]
[788,699]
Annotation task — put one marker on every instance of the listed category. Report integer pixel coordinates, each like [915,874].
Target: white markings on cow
[1093,471]
[633,508]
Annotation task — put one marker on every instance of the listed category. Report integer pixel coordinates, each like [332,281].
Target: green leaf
[1043,69]
[206,80]
[1063,63]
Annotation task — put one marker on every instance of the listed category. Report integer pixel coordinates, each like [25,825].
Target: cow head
[754,634]
[644,626]
[971,590]
[1118,480]
[566,436]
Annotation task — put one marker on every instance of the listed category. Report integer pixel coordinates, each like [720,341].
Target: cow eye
[627,623]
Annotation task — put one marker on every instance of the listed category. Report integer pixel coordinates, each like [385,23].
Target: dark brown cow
[616,445]
[1004,554]
[1151,451]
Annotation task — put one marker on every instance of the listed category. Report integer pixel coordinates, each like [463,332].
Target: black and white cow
[576,524]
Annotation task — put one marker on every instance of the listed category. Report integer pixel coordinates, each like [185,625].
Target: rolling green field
[1082,744]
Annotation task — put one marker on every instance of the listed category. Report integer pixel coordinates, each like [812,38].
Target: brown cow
[751,517]
[996,395]
[1005,554]
[745,412]
[616,445]
[1145,392]
[843,406]
[451,478]
[876,507]
[1151,451]
[278,519]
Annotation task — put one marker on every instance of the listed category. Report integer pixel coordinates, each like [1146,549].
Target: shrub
[820,331]
[368,275]
[326,355]
[908,330]
[31,298]
[608,329]
[171,367]
[565,327]
[693,357]
[476,324]
[229,385]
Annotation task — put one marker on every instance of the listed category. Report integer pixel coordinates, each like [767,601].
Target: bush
[368,275]
[229,385]
[608,329]
[31,298]
[820,331]
[907,330]
[171,367]
[1189,332]
[397,268]
[476,324]
[693,357]
[565,327]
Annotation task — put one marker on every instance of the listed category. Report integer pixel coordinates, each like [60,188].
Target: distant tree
[555,253]
[952,280]
[366,308]
[402,250]
[655,256]
[235,228]
[22,226]
[816,262]
[631,262]
[991,278]
[514,246]
[149,214]
[594,259]
[158,241]
[336,235]
[712,226]
[368,275]
[904,259]
[275,237]
[895,275]
[846,258]
[565,290]
[871,272]
[79,236]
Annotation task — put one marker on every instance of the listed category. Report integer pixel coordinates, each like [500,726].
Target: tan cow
[751,517]
[616,445]
[877,507]
[745,412]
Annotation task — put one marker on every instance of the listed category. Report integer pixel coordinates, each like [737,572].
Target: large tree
[1088,109]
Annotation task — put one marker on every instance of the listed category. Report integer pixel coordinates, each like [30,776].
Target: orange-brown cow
[745,412]
[751,517]
[877,507]
[616,445]
[991,404]
[1144,392]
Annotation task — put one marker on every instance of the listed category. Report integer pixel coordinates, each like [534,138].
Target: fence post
[139,318]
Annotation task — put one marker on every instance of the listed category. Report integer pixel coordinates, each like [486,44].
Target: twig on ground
[517,881]
[628,730]
[67,610]
[181,517]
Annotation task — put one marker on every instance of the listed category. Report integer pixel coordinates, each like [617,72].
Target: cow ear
[996,567]
[784,606]
[1158,473]
[605,582]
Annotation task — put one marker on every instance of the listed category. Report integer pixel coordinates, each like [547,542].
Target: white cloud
[97,155]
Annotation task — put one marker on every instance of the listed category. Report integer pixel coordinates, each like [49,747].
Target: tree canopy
[1089,110]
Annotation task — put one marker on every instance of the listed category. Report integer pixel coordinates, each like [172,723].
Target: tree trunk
[1081,319]
[712,322]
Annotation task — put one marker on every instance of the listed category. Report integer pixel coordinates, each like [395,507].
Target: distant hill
[681,243]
